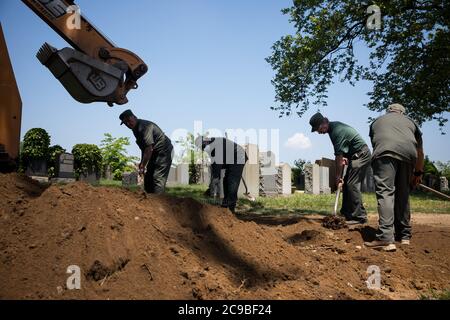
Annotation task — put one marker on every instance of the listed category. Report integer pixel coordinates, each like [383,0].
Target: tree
[429,167]
[115,155]
[53,157]
[297,171]
[444,168]
[87,159]
[192,155]
[409,59]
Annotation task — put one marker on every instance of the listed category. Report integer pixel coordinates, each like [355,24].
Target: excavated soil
[129,245]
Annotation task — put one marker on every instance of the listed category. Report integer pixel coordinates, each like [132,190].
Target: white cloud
[298,141]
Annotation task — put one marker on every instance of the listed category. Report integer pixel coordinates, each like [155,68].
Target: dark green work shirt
[396,136]
[346,140]
[225,151]
[148,134]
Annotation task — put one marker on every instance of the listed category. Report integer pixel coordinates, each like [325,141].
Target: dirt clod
[334,222]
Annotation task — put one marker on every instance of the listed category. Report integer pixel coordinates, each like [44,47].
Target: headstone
[182,174]
[130,179]
[268,174]
[284,178]
[324,180]
[270,186]
[251,172]
[64,171]
[90,177]
[312,179]
[172,178]
[268,163]
[331,165]
[444,184]
[37,168]
[64,166]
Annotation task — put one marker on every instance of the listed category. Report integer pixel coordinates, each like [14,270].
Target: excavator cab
[94,70]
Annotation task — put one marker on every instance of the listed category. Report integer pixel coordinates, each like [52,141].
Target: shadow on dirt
[367,233]
[213,245]
[276,220]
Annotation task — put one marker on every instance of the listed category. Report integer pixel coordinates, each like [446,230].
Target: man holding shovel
[398,161]
[156,150]
[350,150]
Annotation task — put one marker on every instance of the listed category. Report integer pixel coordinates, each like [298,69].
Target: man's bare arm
[420,160]
[146,156]
[340,162]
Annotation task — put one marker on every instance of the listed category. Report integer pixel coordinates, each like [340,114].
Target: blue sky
[206,62]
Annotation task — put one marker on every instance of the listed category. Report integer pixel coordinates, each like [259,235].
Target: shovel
[338,192]
[246,193]
[434,191]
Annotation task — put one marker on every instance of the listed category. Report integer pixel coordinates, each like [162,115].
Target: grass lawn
[302,203]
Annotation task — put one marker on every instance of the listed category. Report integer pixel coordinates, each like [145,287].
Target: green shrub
[115,155]
[87,159]
[35,145]
[53,154]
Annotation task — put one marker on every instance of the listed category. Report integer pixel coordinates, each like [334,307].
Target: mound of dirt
[129,245]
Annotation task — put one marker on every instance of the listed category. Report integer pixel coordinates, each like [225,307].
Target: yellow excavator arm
[94,70]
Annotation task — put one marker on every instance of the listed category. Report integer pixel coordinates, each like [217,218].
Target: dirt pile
[130,245]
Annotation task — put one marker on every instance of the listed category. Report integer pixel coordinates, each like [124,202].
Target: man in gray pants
[397,164]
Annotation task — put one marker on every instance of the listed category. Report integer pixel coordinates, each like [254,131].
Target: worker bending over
[350,149]
[156,151]
[228,155]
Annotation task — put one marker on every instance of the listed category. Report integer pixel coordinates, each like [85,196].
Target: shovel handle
[434,191]
[338,191]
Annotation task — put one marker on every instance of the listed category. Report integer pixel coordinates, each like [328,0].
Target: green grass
[436,295]
[323,204]
[301,203]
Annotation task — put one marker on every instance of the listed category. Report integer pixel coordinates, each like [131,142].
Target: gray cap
[315,121]
[125,115]
[396,107]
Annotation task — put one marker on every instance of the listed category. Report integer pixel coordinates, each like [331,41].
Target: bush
[87,159]
[53,154]
[297,171]
[115,155]
[35,145]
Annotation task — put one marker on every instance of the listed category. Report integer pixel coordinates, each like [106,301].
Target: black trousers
[392,186]
[352,204]
[214,184]
[231,182]
[158,169]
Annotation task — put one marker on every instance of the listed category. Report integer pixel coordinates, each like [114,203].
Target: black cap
[315,121]
[125,115]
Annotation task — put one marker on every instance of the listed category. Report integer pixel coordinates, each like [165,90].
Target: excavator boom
[94,70]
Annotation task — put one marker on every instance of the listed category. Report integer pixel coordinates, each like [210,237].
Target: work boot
[355,222]
[381,245]
[231,208]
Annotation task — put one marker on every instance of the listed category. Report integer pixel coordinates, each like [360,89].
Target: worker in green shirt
[156,150]
[350,149]
[397,162]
